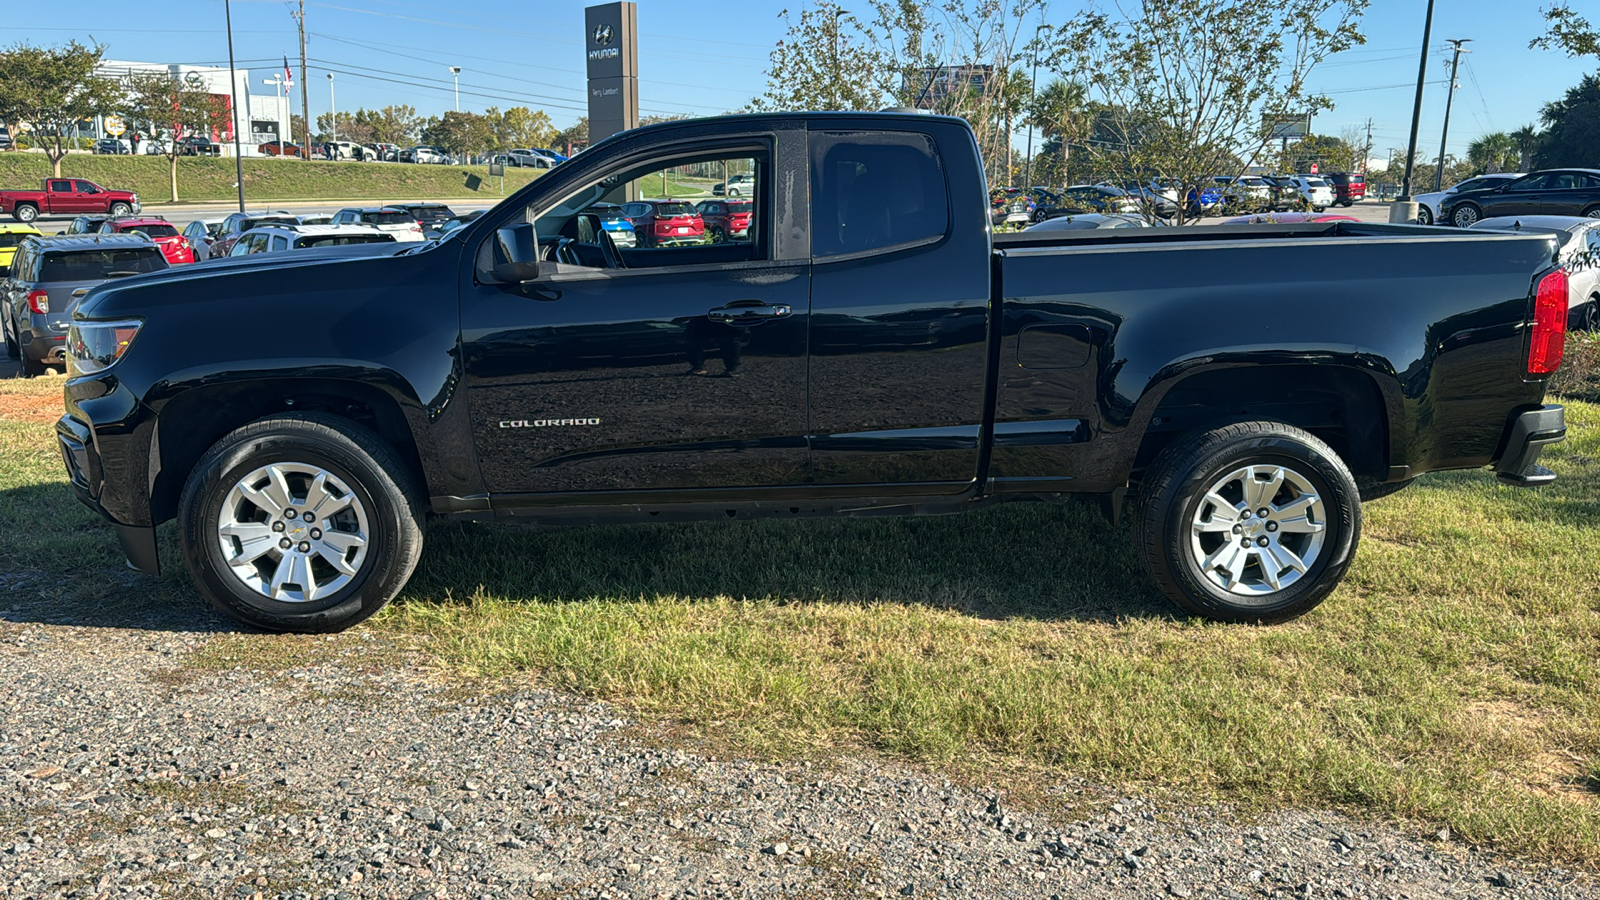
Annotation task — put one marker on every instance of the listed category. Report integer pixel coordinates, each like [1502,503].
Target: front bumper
[1527,435]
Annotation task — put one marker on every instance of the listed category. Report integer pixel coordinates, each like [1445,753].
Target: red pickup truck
[67,197]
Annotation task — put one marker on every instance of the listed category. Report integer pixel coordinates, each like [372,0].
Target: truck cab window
[667,212]
[877,191]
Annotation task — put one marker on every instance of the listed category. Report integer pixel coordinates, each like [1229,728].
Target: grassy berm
[1453,681]
[265,180]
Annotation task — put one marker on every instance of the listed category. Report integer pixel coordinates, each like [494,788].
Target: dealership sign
[611,52]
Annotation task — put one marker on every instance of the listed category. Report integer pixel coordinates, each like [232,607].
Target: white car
[1579,240]
[283,238]
[200,233]
[1315,191]
[528,159]
[1249,189]
[1428,204]
[403,225]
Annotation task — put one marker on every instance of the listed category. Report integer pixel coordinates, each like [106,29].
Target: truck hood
[264,275]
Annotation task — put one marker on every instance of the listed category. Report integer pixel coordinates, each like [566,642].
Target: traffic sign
[1313,168]
[115,126]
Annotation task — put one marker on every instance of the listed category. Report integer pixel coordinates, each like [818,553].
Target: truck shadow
[1035,561]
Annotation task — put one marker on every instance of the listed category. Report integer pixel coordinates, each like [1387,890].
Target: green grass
[1453,680]
[677,188]
[265,180]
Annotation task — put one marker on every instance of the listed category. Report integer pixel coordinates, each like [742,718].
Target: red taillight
[39,301]
[1549,324]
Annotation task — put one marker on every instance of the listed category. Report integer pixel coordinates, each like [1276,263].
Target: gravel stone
[128,770]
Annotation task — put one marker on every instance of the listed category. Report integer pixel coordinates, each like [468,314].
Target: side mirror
[516,254]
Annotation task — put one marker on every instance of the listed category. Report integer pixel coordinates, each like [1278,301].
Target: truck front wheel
[25,213]
[300,523]
[120,209]
[1253,522]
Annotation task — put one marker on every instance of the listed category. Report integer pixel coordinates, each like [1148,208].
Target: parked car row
[532,158]
[1222,195]
[1553,192]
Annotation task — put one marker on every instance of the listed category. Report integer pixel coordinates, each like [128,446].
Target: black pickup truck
[867,346]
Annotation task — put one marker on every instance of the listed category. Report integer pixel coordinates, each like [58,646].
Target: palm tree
[1527,138]
[1055,112]
[1491,153]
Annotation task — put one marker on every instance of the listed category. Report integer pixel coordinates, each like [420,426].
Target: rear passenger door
[899,325]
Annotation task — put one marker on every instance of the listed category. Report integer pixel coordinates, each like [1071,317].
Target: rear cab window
[388,218]
[154,231]
[876,191]
[96,265]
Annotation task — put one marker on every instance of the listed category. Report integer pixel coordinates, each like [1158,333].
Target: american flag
[288,77]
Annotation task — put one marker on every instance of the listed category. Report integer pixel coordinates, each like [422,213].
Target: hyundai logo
[602,34]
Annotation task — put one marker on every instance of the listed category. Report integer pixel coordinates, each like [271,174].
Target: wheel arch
[1345,405]
[189,423]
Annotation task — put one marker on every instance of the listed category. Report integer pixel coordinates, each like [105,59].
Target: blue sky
[708,56]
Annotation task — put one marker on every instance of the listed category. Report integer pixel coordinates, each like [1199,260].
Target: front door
[627,371]
[1522,197]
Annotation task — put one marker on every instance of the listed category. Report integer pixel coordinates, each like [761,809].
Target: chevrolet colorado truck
[67,197]
[869,347]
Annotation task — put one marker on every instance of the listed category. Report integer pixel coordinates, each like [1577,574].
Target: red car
[174,246]
[280,148]
[726,220]
[1349,188]
[663,223]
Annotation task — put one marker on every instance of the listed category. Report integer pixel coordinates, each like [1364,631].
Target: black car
[1098,198]
[431,216]
[1555,192]
[85,225]
[199,145]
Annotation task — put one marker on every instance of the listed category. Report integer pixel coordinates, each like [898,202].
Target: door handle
[749,315]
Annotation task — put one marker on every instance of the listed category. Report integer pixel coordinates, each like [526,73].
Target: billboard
[611,51]
[1284,128]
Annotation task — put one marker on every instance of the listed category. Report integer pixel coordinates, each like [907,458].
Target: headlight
[96,346]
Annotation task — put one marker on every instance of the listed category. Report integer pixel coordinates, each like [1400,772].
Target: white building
[261,118]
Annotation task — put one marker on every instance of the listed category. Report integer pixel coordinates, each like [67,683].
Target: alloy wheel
[293,532]
[1258,530]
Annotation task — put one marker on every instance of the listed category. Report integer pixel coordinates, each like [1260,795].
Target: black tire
[25,213]
[1174,490]
[1466,215]
[120,209]
[33,368]
[13,349]
[1424,214]
[1372,491]
[350,452]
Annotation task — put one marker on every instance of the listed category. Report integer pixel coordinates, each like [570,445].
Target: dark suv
[239,223]
[199,145]
[48,276]
[431,216]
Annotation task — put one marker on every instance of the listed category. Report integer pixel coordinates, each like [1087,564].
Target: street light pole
[455,73]
[233,90]
[1416,109]
[833,82]
[333,110]
[1033,96]
[1450,97]
[280,91]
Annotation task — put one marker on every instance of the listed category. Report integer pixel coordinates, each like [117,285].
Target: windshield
[741,207]
[340,240]
[672,210]
[155,231]
[388,218]
[432,213]
[96,265]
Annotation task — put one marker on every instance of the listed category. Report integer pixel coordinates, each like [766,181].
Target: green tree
[1189,86]
[53,89]
[175,107]
[396,124]
[573,138]
[1572,128]
[1495,152]
[1331,154]
[1057,111]
[350,127]
[1568,32]
[461,133]
[520,126]
[1527,138]
[821,63]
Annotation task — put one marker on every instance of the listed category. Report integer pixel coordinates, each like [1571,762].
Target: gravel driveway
[145,757]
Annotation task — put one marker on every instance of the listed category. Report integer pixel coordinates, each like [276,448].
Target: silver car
[49,276]
[1579,242]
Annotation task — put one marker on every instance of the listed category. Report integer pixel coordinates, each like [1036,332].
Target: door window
[61,187]
[662,225]
[279,242]
[875,192]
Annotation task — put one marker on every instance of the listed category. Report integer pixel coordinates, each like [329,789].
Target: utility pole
[1366,152]
[305,89]
[1450,96]
[1416,109]
[233,91]
[1033,96]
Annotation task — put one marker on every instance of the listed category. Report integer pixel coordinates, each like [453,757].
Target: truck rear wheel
[1253,522]
[300,523]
